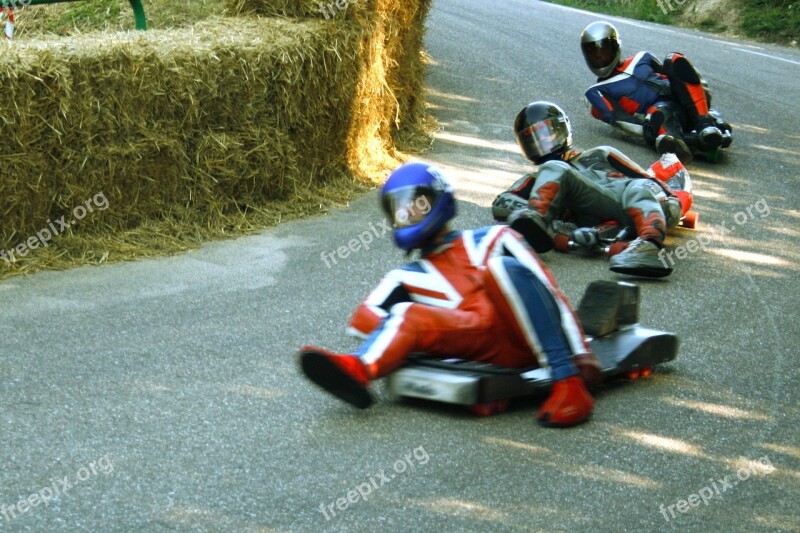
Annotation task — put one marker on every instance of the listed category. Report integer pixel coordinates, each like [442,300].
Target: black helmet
[543,131]
[601,48]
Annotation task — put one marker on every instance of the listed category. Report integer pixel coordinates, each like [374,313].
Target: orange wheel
[561,242]
[480,409]
[489,408]
[616,248]
[647,371]
[690,219]
[633,374]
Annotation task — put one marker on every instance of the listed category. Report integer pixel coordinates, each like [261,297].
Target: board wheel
[489,408]
[712,156]
[561,242]
[690,219]
[632,374]
[616,248]
[636,373]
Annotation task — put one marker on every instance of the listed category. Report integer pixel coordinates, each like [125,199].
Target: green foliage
[712,25]
[767,20]
[636,9]
[777,20]
[88,15]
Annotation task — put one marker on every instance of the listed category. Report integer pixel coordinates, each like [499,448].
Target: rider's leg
[687,86]
[671,172]
[664,124]
[471,332]
[526,298]
[640,200]
[643,257]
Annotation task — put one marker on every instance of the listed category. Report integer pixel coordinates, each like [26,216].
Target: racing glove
[585,237]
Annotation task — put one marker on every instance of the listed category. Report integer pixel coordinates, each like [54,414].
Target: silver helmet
[600,45]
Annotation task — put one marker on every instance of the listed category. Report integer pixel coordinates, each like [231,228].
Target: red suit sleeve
[375,307]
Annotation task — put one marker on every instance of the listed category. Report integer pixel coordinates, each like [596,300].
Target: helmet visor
[600,54]
[408,206]
[544,137]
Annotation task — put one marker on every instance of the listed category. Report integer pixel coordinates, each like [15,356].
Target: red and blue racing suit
[479,294]
[641,85]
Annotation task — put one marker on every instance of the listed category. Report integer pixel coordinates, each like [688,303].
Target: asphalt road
[163,395]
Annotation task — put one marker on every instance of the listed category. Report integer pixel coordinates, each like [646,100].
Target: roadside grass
[636,9]
[772,21]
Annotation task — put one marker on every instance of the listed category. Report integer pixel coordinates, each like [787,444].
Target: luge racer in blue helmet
[479,294]
[419,202]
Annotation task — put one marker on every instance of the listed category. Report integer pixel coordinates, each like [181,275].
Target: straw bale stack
[391,84]
[228,114]
[198,124]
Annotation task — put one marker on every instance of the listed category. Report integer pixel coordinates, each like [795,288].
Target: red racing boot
[569,404]
[344,376]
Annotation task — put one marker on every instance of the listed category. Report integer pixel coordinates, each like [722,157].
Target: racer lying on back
[572,191]
[668,104]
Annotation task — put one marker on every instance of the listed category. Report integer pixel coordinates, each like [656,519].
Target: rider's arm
[621,99]
[623,164]
[601,107]
[375,307]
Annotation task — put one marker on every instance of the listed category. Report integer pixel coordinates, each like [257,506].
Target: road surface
[163,395]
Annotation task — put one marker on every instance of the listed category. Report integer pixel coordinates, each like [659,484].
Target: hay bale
[194,118]
[251,167]
[392,72]
[142,177]
[276,8]
[185,132]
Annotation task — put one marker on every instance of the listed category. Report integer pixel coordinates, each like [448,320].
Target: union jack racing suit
[480,294]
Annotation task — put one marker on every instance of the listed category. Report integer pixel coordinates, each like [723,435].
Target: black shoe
[724,127]
[727,138]
[533,227]
[640,258]
[341,375]
[710,137]
[669,144]
[709,133]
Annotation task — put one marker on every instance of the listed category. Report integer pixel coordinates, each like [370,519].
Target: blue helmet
[418,201]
